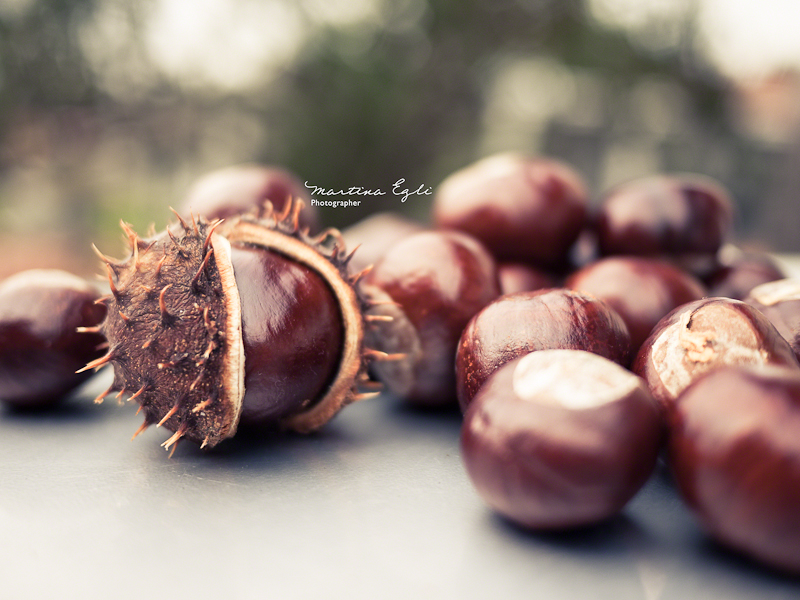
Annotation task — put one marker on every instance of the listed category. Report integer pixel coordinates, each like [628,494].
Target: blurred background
[109,109]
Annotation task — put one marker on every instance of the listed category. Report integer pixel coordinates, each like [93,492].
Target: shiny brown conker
[734,448]
[560,438]
[523,209]
[518,277]
[292,332]
[779,301]
[373,236]
[704,335]
[684,217]
[428,286]
[245,188]
[641,290]
[520,323]
[735,278]
[47,332]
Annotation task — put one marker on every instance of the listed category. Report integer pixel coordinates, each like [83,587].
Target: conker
[523,209]
[736,277]
[518,277]
[373,236]
[41,313]
[683,217]
[520,323]
[702,336]
[779,301]
[734,449]
[641,290]
[211,324]
[245,188]
[560,438]
[427,287]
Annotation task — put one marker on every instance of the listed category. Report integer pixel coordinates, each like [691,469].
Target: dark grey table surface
[377,505]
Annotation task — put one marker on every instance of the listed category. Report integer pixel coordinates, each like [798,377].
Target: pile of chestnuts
[581,343]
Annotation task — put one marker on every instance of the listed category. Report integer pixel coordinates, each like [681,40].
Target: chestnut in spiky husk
[210,324]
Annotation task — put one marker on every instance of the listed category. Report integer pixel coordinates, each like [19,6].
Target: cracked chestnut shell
[641,290]
[523,209]
[560,438]
[41,312]
[704,335]
[426,289]
[525,322]
[734,450]
[250,321]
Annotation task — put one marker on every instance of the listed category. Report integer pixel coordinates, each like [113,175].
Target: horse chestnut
[745,272]
[528,210]
[375,235]
[779,301]
[428,286]
[683,217]
[251,320]
[702,336]
[41,347]
[641,290]
[560,438]
[245,188]
[734,449]
[518,277]
[520,323]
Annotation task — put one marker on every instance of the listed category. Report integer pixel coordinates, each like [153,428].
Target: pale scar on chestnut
[176,332]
